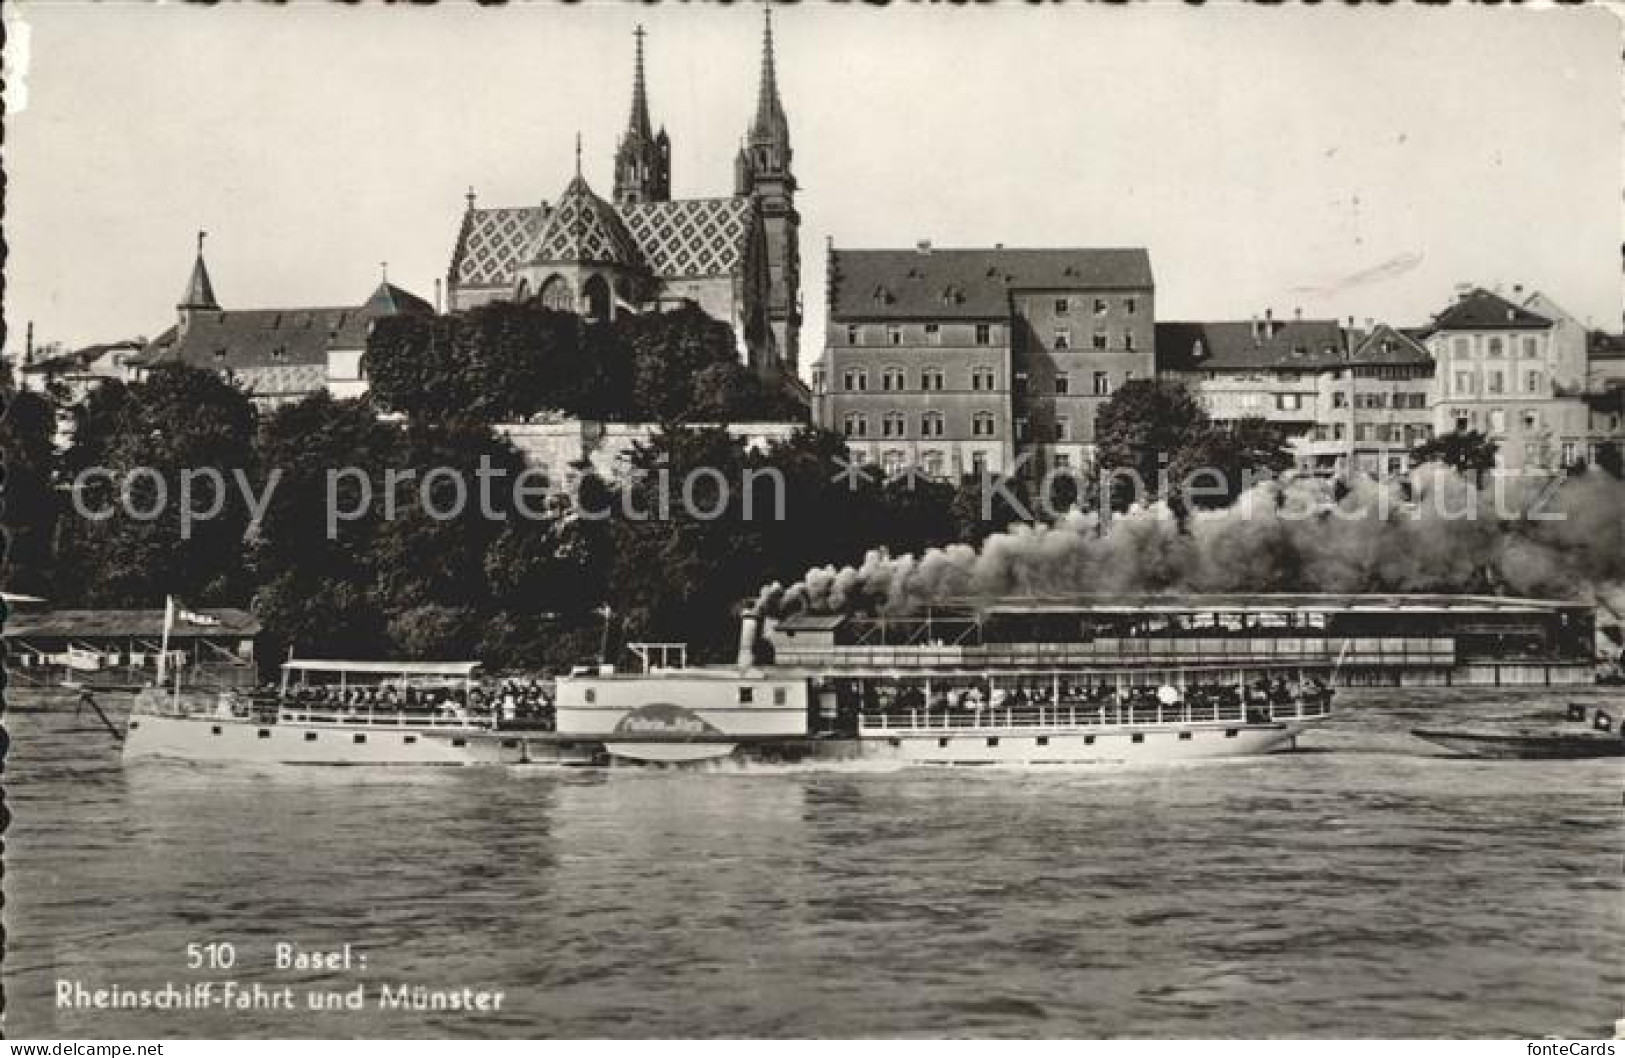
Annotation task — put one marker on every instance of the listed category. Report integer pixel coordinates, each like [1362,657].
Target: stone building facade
[963,360]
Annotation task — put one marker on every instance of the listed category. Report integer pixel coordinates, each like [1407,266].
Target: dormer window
[220,354]
[279,353]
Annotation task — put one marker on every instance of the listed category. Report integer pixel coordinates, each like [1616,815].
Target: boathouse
[120,648]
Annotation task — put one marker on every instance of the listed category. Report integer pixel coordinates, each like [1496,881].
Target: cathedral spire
[199,291]
[643,160]
[638,125]
[770,125]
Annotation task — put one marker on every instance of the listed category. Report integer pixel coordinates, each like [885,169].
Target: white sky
[1262,155]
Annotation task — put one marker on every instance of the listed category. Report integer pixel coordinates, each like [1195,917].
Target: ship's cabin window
[215,730]
[1088,740]
[458,743]
[1139,738]
[1184,736]
[1042,740]
[310,736]
[510,743]
[993,742]
[410,740]
[942,743]
[590,695]
[746,695]
[780,696]
[360,738]
[1230,732]
[265,732]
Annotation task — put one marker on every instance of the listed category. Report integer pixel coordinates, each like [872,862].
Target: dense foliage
[1472,452]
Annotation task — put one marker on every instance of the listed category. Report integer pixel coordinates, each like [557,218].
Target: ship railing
[374,718]
[1308,707]
[1053,717]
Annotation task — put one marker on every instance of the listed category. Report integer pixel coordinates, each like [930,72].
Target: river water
[1363,886]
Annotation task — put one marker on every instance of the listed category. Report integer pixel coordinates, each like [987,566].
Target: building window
[978,463]
[1531,420]
[933,334]
[892,424]
[1461,349]
[1103,384]
[1362,433]
[931,378]
[982,424]
[857,425]
[1100,306]
[855,380]
[984,334]
[1340,399]
[931,463]
[1128,341]
[747,695]
[891,379]
[1288,401]
[1131,306]
[1063,306]
[853,334]
[1498,421]
[893,461]
[1530,348]
[1099,340]
[931,424]
[982,378]
[1497,350]
[1497,382]
[818,380]
[1570,454]
[1464,382]
[1531,382]
[1063,385]
[1063,338]
[1063,428]
[894,335]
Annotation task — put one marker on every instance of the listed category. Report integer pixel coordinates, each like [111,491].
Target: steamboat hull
[238,741]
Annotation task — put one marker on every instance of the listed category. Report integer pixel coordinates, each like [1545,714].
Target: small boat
[1568,741]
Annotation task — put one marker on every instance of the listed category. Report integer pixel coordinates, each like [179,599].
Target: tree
[497,362]
[27,435]
[1141,430]
[1217,463]
[318,589]
[173,432]
[1469,451]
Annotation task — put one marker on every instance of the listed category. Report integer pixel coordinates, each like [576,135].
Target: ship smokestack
[747,639]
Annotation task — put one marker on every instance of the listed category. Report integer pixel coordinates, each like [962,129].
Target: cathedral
[737,257]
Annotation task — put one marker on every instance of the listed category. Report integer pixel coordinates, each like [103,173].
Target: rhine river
[1363,886]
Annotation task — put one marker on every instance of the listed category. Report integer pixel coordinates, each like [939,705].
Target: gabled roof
[1389,345]
[1483,311]
[586,229]
[691,238]
[968,283]
[1289,345]
[80,359]
[250,339]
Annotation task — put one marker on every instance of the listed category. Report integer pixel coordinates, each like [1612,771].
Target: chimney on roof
[437,297]
[1297,313]
[1517,290]
[1258,331]
[923,246]
[1370,324]
[998,246]
[28,350]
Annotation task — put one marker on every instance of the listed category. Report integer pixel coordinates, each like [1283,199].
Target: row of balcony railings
[1386,650]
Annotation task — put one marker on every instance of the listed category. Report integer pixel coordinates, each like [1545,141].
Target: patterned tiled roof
[584,228]
[690,238]
[494,243]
